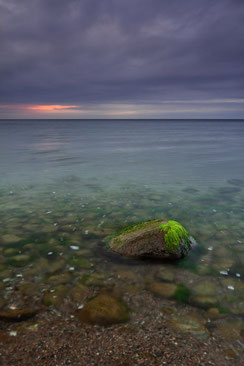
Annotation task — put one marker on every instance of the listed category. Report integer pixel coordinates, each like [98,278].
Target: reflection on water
[62,195]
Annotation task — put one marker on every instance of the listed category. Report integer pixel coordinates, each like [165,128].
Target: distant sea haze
[152,152]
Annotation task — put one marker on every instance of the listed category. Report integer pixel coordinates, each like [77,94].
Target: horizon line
[122,119]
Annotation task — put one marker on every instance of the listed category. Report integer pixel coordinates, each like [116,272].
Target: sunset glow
[51,108]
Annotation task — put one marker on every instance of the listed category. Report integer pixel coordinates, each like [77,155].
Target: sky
[121,59]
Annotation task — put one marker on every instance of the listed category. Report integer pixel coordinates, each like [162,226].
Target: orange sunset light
[51,108]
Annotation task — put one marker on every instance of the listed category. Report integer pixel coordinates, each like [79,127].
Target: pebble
[6,279]
[74,247]
[225,273]
[12,307]
[13,333]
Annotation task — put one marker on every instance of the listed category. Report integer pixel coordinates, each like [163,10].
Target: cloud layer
[159,55]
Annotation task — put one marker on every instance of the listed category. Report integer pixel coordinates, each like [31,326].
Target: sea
[66,186]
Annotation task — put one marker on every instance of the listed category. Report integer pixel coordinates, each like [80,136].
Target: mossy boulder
[105,310]
[155,239]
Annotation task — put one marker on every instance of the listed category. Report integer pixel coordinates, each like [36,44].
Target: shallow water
[67,185]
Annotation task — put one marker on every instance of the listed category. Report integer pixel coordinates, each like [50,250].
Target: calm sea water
[65,185]
[119,152]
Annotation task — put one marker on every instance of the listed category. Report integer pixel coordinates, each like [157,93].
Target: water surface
[66,185]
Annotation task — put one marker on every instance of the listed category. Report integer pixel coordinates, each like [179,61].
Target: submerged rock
[94,279]
[230,329]
[178,292]
[104,310]
[19,260]
[155,239]
[205,288]
[79,293]
[55,297]
[166,274]
[204,302]
[162,289]
[17,315]
[10,239]
[190,324]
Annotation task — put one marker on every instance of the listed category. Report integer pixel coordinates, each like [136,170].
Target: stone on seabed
[17,315]
[155,239]
[104,310]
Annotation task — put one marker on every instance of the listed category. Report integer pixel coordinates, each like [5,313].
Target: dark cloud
[112,51]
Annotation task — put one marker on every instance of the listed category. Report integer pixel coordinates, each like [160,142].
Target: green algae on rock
[104,310]
[155,238]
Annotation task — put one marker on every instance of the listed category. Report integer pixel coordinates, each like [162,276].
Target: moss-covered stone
[104,310]
[174,234]
[155,238]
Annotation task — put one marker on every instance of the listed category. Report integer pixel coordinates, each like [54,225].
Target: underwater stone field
[53,244]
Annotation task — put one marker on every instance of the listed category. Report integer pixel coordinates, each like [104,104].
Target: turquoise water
[66,185]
